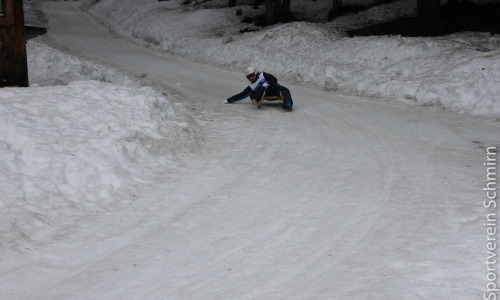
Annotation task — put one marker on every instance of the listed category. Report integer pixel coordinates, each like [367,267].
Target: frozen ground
[115,190]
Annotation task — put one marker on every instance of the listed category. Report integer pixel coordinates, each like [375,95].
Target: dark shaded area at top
[465,17]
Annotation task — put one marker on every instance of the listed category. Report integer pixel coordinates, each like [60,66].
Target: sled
[270,98]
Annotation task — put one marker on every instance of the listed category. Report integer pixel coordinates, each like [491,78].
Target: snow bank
[455,72]
[78,140]
[459,71]
[79,148]
[48,66]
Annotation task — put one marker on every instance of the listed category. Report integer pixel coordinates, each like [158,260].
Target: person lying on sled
[261,82]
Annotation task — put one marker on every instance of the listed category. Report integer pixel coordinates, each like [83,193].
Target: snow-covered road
[344,198]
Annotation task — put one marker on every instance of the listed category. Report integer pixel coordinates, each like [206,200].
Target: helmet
[250,70]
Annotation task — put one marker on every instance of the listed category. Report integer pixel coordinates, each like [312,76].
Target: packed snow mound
[453,72]
[77,148]
[459,71]
[155,22]
[84,142]
[48,66]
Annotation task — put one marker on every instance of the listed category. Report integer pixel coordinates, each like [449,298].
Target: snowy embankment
[460,71]
[79,147]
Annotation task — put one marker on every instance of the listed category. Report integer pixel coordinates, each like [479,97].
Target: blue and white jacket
[262,78]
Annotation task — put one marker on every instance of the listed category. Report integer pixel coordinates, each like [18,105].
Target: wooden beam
[13,58]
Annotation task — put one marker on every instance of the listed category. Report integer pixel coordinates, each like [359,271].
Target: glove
[265,85]
[224,102]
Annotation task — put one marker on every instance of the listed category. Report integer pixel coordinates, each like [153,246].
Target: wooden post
[428,8]
[13,59]
[269,12]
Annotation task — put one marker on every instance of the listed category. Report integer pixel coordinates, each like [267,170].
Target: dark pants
[287,97]
[274,91]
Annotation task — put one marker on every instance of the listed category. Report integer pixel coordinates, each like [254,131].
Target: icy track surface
[344,198]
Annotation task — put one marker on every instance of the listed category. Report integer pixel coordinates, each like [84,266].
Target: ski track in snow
[344,198]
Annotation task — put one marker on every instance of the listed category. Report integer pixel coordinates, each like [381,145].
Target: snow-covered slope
[113,189]
[460,71]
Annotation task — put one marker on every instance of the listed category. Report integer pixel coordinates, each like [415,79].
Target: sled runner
[274,98]
[270,98]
